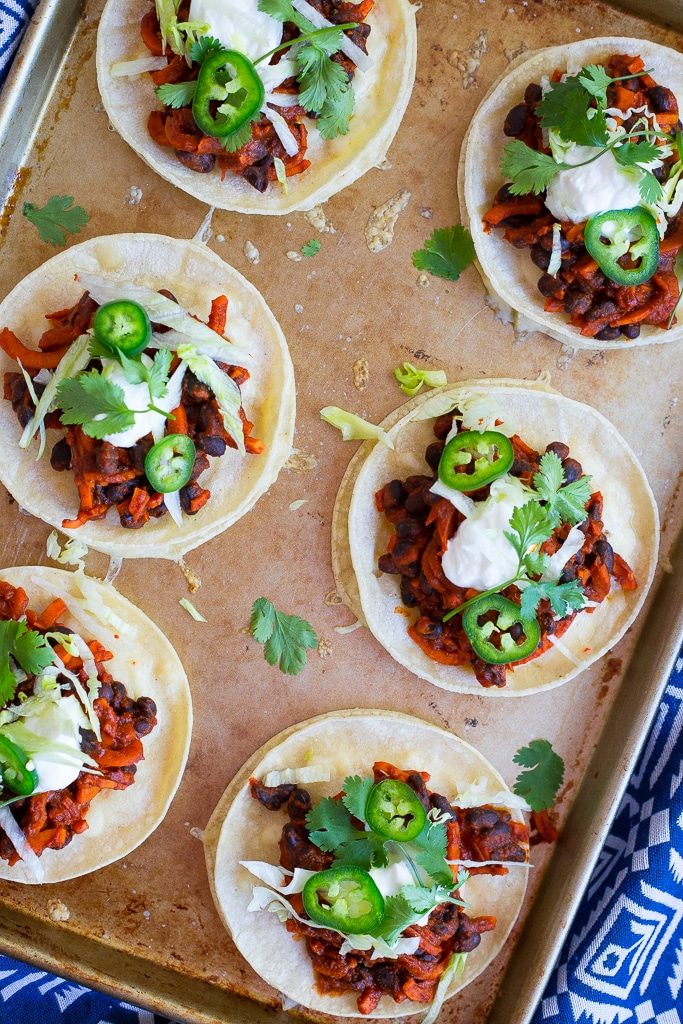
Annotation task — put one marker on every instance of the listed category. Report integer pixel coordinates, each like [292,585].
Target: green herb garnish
[176,94]
[56,219]
[446,253]
[539,785]
[311,248]
[97,405]
[285,638]
[27,647]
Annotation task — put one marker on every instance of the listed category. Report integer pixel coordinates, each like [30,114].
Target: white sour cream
[581,192]
[239,25]
[59,722]
[137,396]
[480,555]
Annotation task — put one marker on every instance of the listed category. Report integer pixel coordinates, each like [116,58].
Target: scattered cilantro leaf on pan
[176,94]
[91,395]
[311,248]
[527,170]
[562,597]
[203,48]
[285,638]
[27,647]
[540,784]
[56,219]
[567,502]
[446,253]
[356,793]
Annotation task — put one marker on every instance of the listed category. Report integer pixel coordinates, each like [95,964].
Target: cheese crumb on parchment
[252,253]
[317,218]
[361,374]
[379,232]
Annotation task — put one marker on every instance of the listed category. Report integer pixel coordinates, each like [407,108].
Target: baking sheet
[146,928]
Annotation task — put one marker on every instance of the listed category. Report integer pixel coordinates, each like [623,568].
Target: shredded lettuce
[354,428]
[74,360]
[185,603]
[454,969]
[162,310]
[34,396]
[281,174]
[180,35]
[130,68]
[72,553]
[556,252]
[225,390]
[306,776]
[15,834]
[411,379]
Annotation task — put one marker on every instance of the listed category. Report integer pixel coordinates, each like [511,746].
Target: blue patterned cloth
[14,17]
[624,958]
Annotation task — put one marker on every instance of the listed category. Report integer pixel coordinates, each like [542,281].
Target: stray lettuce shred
[411,380]
[453,971]
[354,428]
[185,603]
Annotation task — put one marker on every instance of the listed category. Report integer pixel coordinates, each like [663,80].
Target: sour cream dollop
[239,24]
[581,192]
[60,722]
[480,555]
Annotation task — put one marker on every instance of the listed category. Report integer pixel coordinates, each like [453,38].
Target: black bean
[504,195]
[631,331]
[601,310]
[433,454]
[415,502]
[662,100]
[201,464]
[444,424]
[407,596]
[60,459]
[257,174]
[568,574]
[595,511]
[608,334]
[386,563]
[515,121]
[540,256]
[203,163]
[146,707]
[546,621]
[558,448]
[572,470]
[106,692]
[408,529]
[138,454]
[24,415]
[533,94]
[432,630]
[128,522]
[142,727]
[442,804]
[549,287]
[116,493]
[605,552]
[577,301]
[393,494]
[481,818]
[212,444]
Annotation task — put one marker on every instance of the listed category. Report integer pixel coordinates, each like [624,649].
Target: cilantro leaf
[650,189]
[423,898]
[595,80]
[531,524]
[329,825]
[565,107]
[336,112]
[176,94]
[568,502]
[157,374]
[446,253]
[133,369]
[91,395]
[203,48]
[57,218]
[430,853]
[527,169]
[311,248]
[366,850]
[319,77]
[286,638]
[398,915]
[540,784]
[27,647]
[231,143]
[628,154]
[282,10]
[562,597]
[356,793]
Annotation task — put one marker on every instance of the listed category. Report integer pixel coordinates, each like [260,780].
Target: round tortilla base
[382,95]
[196,276]
[146,663]
[508,273]
[347,742]
[361,534]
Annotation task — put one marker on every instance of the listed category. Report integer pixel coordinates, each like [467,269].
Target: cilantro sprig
[576,109]
[446,253]
[56,219]
[99,406]
[332,827]
[28,648]
[540,783]
[324,86]
[533,523]
[285,638]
